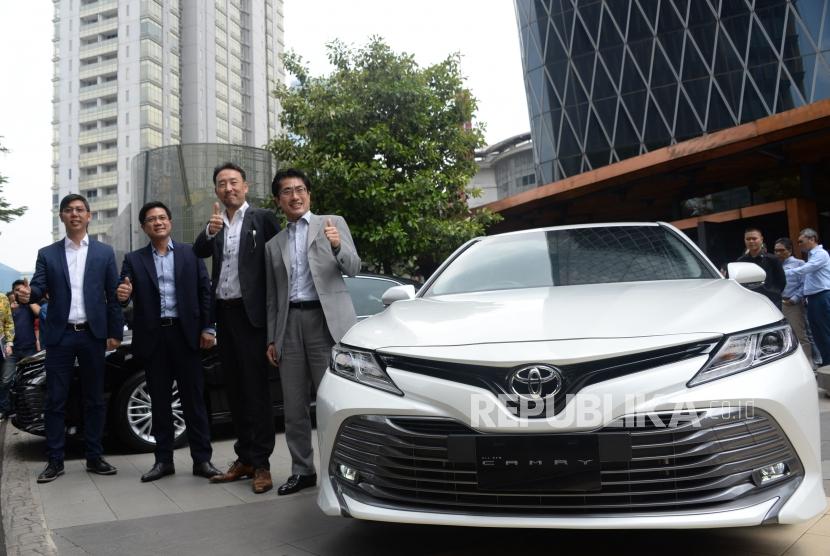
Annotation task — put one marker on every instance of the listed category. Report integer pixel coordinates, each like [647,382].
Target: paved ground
[81,514]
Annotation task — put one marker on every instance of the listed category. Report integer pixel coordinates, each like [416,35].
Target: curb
[24,525]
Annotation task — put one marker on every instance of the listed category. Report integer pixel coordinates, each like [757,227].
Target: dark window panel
[693,65]
[631,79]
[557,6]
[582,43]
[730,85]
[789,93]
[698,91]
[682,8]
[597,138]
[760,49]
[590,18]
[638,28]
[718,116]
[649,10]
[701,13]
[733,7]
[704,38]
[610,31]
[666,98]
[797,40]
[571,166]
[772,20]
[669,19]
[568,145]
[673,46]
[606,112]
[555,50]
[578,118]
[661,72]
[636,104]
[641,50]
[563,23]
[738,30]
[548,125]
[603,85]
[551,93]
[656,134]
[558,73]
[585,165]
[619,11]
[533,53]
[584,66]
[752,108]
[613,58]
[687,125]
[765,78]
[535,82]
[726,58]
[824,44]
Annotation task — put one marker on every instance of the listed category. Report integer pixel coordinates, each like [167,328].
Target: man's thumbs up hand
[216,221]
[332,234]
[124,290]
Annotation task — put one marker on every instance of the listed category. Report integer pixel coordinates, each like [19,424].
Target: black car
[129,419]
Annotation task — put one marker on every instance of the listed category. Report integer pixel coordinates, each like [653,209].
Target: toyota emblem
[536,382]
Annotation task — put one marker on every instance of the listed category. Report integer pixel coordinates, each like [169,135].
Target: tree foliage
[7,213]
[388,145]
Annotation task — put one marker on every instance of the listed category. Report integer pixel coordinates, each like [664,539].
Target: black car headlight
[747,350]
[361,366]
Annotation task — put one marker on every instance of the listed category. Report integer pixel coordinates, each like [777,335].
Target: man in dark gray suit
[309,309]
[235,238]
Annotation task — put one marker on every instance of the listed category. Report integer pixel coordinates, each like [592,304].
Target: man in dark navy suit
[85,319]
[170,290]
[235,238]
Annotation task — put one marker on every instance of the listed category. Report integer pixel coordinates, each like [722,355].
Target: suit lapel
[282,243]
[146,255]
[315,224]
[64,265]
[178,264]
[244,231]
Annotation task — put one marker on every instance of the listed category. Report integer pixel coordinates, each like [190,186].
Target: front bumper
[784,428]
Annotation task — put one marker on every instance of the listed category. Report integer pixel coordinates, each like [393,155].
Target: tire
[132,418]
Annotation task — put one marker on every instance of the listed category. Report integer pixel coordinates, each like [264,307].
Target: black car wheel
[133,419]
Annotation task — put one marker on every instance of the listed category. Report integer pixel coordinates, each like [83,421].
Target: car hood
[687,309]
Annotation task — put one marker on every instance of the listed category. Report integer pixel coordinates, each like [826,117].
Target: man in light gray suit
[309,309]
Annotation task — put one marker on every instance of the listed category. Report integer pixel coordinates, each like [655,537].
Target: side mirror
[746,273]
[398,293]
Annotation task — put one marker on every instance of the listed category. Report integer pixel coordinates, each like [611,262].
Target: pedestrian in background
[756,253]
[235,239]
[816,275]
[792,298]
[7,369]
[25,316]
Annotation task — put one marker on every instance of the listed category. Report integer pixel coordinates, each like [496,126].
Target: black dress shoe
[54,469]
[205,469]
[296,483]
[159,470]
[100,466]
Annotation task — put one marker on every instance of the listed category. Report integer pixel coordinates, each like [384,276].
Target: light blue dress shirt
[302,284]
[816,271]
[794,290]
[166,272]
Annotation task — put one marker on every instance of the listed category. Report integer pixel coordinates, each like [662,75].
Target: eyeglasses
[298,189]
[230,184]
[151,219]
[76,210]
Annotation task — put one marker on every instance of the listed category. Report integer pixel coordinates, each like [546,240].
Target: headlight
[361,366]
[747,350]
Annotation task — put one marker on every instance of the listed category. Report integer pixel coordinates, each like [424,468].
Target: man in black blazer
[170,290]
[235,237]
[85,319]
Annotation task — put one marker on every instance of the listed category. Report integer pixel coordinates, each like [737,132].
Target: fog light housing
[348,473]
[770,473]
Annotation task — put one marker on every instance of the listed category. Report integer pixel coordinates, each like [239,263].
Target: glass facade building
[607,80]
[181,177]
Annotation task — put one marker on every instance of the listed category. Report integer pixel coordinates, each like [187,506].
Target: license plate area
[538,463]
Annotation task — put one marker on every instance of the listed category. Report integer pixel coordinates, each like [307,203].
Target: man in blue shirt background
[792,304]
[816,275]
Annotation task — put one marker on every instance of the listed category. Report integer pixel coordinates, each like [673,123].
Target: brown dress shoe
[237,470]
[262,481]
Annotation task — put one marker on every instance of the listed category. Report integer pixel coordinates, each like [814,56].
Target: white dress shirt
[229,287]
[76,262]
[302,284]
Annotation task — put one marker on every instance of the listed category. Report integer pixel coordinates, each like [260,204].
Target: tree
[390,146]
[7,214]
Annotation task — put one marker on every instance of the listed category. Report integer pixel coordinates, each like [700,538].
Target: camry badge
[536,382]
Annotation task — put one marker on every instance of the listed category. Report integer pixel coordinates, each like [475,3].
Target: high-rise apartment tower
[132,75]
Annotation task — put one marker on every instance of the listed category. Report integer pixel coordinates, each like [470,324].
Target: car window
[571,257]
[366,293]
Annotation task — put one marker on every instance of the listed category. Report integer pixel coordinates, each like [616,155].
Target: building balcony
[105,202]
[101,68]
[100,90]
[99,48]
[105,26]
[100,227]
[98,113]
[108,156]
[96,135]
[98,7]
[98,180]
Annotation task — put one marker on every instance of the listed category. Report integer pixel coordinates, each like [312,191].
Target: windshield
[571,257]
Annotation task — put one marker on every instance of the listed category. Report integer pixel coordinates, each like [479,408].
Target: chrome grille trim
[404,463]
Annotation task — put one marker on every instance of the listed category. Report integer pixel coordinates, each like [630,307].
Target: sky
[484,32]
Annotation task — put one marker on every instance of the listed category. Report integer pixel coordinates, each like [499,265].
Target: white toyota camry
[596,376]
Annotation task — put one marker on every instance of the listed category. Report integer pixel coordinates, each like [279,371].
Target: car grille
[674,465]
[29,399]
